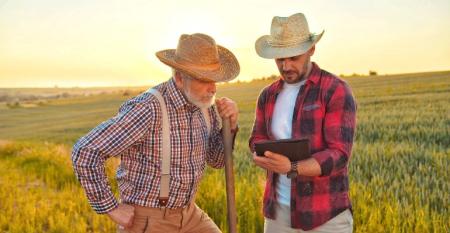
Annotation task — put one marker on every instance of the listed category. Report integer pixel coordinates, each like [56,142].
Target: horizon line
[56,86]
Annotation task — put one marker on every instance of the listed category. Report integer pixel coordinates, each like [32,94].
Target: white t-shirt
[282,129]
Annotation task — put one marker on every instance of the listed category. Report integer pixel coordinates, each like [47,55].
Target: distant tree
[372,73]
[15,104]
[126,93]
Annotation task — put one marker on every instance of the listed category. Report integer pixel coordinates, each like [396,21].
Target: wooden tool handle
[229,175]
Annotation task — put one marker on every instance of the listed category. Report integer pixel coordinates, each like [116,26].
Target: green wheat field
[399,170]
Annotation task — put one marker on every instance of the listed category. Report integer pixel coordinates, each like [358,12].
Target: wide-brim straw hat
[289,37]
[200,57]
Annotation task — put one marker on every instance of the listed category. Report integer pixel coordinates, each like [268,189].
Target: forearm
[309,167]
[215,154]
[332,159]
[90,171]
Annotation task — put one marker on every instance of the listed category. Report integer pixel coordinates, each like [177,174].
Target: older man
[164,138]
[306,102]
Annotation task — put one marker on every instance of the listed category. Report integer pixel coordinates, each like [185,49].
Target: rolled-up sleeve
[215,155]
[108,139]
[339,129]
[259,131]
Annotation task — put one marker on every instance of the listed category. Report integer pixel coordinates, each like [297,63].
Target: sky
[47,43]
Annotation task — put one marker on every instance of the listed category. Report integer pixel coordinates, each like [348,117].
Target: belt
[148,211]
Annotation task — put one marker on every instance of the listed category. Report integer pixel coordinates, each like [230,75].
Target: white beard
[197,101]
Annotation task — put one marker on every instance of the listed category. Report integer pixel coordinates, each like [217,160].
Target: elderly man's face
[294,69]
[200,93]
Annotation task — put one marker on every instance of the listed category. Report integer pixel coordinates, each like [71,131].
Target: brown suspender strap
[165,164]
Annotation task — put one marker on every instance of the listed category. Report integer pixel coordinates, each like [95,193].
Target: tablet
[294,149]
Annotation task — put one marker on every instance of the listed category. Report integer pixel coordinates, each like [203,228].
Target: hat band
[287,43]
[208,67]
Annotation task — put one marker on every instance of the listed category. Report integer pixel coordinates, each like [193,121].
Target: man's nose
[286,65]
[212,87]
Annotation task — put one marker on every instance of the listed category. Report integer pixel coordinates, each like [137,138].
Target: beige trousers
[342,223]
[188,220]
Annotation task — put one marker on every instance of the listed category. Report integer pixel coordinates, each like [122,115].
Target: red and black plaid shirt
[324,112]
[136,135]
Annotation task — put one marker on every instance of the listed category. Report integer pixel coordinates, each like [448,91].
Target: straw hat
[289,37]
[198,56]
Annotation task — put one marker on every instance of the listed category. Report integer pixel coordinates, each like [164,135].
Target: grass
[398,170]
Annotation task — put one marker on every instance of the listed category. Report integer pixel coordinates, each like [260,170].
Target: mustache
[208,96]
[288,72]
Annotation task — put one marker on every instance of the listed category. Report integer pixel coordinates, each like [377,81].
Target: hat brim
[228,66]
[265,50]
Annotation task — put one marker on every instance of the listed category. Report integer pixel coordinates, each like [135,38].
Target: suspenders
[165,155]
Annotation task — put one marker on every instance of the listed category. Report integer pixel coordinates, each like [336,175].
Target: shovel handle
[229,175]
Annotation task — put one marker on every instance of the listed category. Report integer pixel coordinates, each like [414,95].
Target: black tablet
[294,149]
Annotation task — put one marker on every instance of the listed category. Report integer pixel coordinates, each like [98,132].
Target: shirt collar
[314,76]
[177,97]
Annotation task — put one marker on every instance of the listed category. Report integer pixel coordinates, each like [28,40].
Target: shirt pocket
[310,119]
[312,111]
[311,107]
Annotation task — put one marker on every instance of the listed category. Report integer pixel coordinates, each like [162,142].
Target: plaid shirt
[136,135]
[325,113]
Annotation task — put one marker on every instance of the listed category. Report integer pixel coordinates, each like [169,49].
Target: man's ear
[311,50]
[178,79]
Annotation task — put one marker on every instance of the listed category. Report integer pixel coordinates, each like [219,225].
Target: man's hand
[273,162]
[122,215]
[227,108]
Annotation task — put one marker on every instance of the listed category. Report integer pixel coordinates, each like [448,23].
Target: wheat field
[399,177]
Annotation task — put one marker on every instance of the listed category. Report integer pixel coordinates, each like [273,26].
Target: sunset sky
[83,43]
